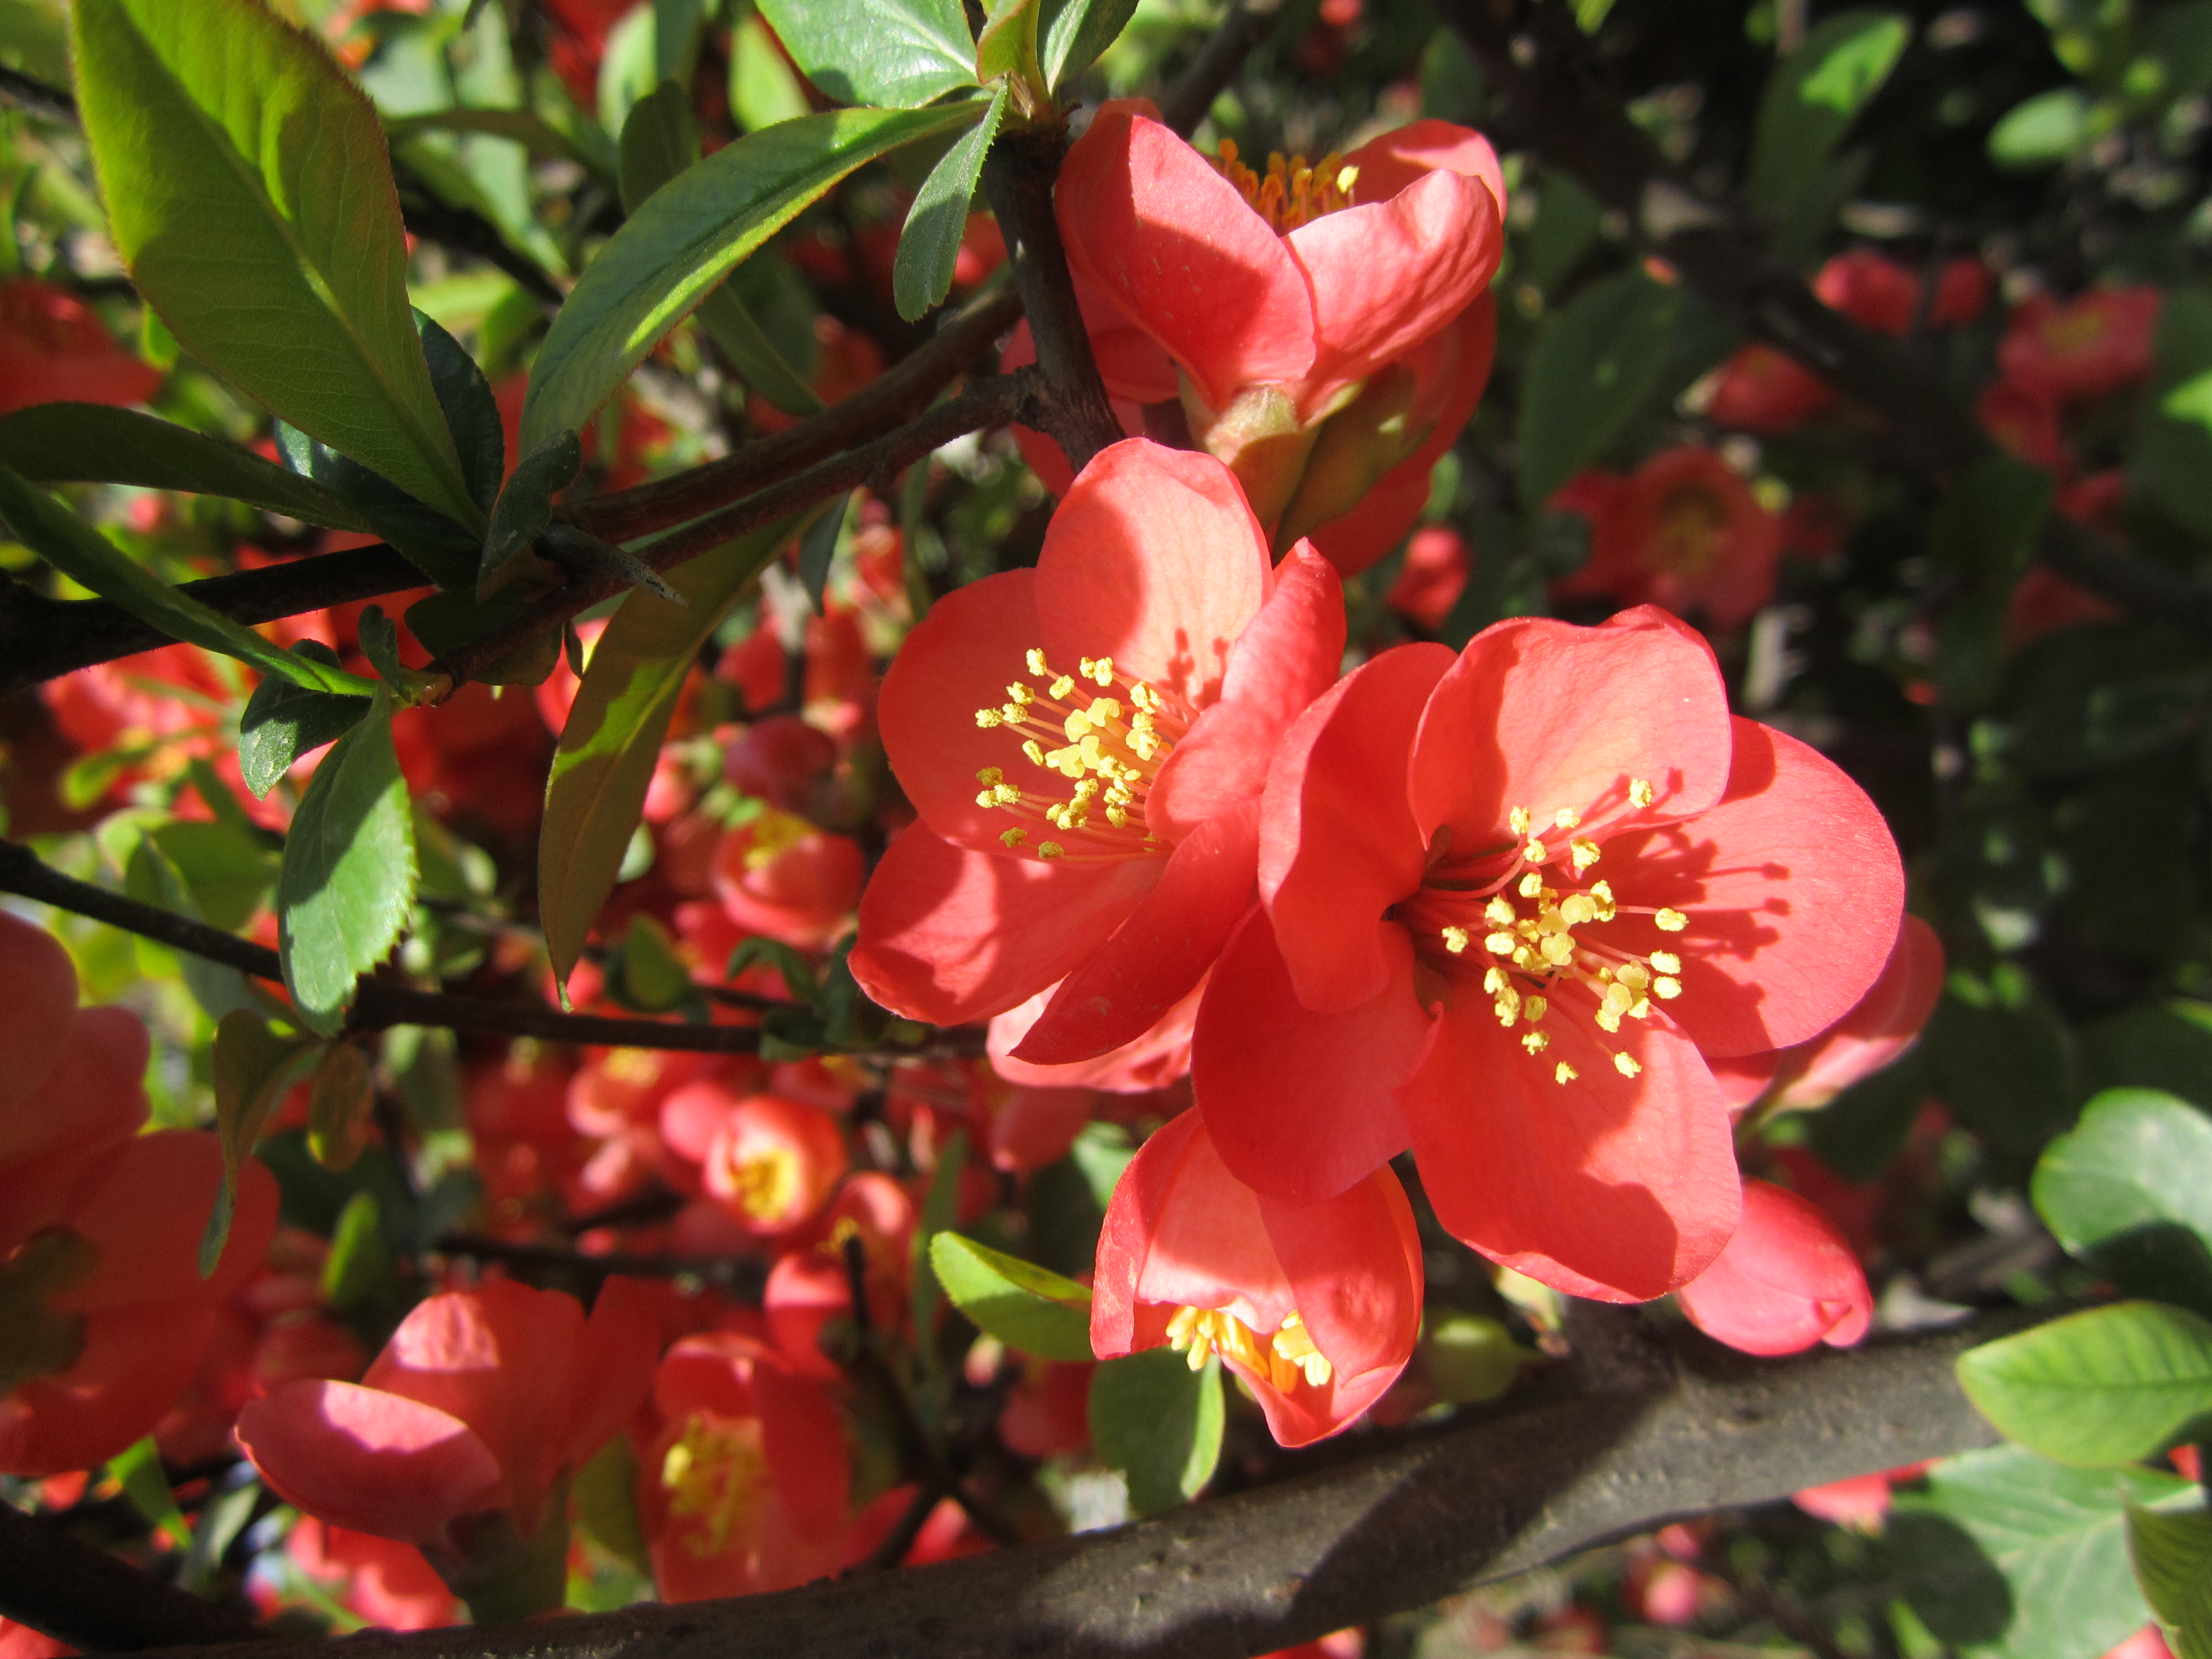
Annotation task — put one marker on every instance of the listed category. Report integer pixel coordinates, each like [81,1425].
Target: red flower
[1314,1309]
[54,350]
[1152,1061]
[479,1403]
[1764,389]
[2023,420]
[1123,890]
[1786,1281]
[377,1579]
[779,876]
[1510,901]
[770,1164]
[1434,577]
[1328,328]
[2087,346]
[1683,530]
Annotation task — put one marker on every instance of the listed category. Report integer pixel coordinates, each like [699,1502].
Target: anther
[1531,886]
[1535,1042]
[1050,849]
[1455,941]
[1670,921]
[1519,820]
[1500,912]
[1564,1074]
[1013,838]
[1585,852]
[988,719]
[1640,792]
[1666,987]
[1566,818]
[1625,1066]
[1036,660]
[1667,962]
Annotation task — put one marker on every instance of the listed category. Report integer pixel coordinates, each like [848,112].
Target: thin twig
[741,1278]
[55,1582]
[1185,104]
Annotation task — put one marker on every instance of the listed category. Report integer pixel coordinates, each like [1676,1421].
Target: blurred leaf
[138,1469]
[2090,698]
[251,1066]
[654,978]
[763,88]
[2129,1191]
[1159,1422]
[2174,57]
[226,871]
[2044,131]
[1076,33]
[676,26]
[606,1503]
[2043,1573]
[92,443]
[525,508]
[2173,435]
[898,53]
[1815,94]
[1031,1310]
[1857,1133]
[611,741]
[1985,525]
[1469,1358]
[1567,218]
[929,246]
[819,543]
[347,883]
[524,127]
[2155,1045]
[2108,1386]
[2002,1058]
[688,236]
[940,1208]
[340,1105]
[2173,1565]
[249,191]
[1595,362]
[359,1271]
[284,721]
[83,554]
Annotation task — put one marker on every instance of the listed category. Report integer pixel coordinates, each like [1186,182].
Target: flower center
[1109,750]
[1689,539]
[1523,930]
[712,1474]
[1287,1358]
[773,834]
[765,1182]
[1289,193]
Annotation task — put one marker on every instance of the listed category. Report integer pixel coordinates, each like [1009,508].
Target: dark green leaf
[433,543]
[654,978]
[817,547]
[1567,218]
[339,1107]
[2173,1565]
[248,189]
[2110,1385]
[1031,1310]
[1076,33]
[1159,1422]
[348,880]
[2090,698]
[82,553]
[284,721]
[472,411]
[251,1066]
[1593,364]
[929,246]
[898,53]
[2002,1058]
[1857,1133]
[1985,527]
[1816,94]
[2173,436]
[446,621]
[525,508]
[659,141]
[2154,1045]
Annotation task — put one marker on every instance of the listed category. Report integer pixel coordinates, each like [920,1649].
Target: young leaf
[1076,33]
[2129,1190]
[763,88]
[1008,44]
[687,237]
[2111,1385]
[1030,1308]
[347,878]
[899,54]
[82,553]
[92,443]
[284,721]
[929,246]
[525,508]
[817,549]
[1593,364]
[2173,1563]
[251,1067]
[339,1105]
[138,1469]
[1159,1422]
[612,740]
[1816,94]
[249,192]
[940,1208]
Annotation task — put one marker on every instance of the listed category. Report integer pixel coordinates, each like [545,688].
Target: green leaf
[82,553]
[525,508]
[1857,1133]
[2154,1045]
[1815,94]
[138,1469]
[817,548]
[2088,699]
[929,246]
[2173,435]
[654,978]
[92,443]
[940,1208]
[249,192]
[471,408]
[686,238]
[1985,525]
[339,1107]
[2173,1563]
[611,742]
[524,127]
[1075,34]
[348,880]
[763,88]
[2111,1385]
[359,1270]
[1471,1358]
[445,623]
[606,1503]
[1593,364]
[659,141]
[1008,44]
[2129,1191]
[284,721]
[2010,1555]
[1159,1423]
[251,1066]
[898,53]
[227,873]
[2044,130]
[1030,1308]
[2000,1058]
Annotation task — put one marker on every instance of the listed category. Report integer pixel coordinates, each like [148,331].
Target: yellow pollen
[1518,818]
[1013,838]
[1535,852]
[1625,1066]
[1608,1019]
[1667,962]
[1036,660]
[1035,750]
[1536,1008]
[1602,892]
[1535,1042]
[1585,852]
[1566,818]
[1063,685]
[1564,1074]
[1010,713]
[1050,849]
[1292,192]
[1289,1357]
[713,1472]
[1456,940]
[988,717]
[1640,792]
[1576,908]
[1557,948]
[1021,693]
[1666,987]
[1103,711]
[1670,921]
[1501,945]
[766,1183]
[1499,912]
[1146,698]
[1508,1006]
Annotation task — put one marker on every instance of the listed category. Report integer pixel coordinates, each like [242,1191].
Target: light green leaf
[524,127]
[2173,435]
[252,1067]
[687,237]
[82,553]
[1815,94]
[1008,43]
[929,246]
[2111,1385]
[1159,1422]
[898,53]
[249,192]
[1076,33]
[226,871]
[763,88]
[1593,364]
[611,742]
[2008,1555]
[2129,1190]
[92,443]
[1031,1310]
[284,721]
[2044,130]
[348,880]
[2173,1563]
[138,1469]
[359,1270]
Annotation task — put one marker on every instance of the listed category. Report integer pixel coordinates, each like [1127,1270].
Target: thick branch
[1018,179]
[41,638]
[53,1581]
[1185,104]
[1283,1564]
[1533,53]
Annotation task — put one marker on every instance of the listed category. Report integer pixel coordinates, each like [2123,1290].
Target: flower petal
[1336,850]
[372,1460]
[1152,1061]
[1786,1281]
[1178,251]
[948,935]
[1301,1104]
[1402,156]
[1605,1186]
[1155,560]
[1884,1023]
[615,1358]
